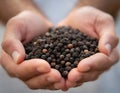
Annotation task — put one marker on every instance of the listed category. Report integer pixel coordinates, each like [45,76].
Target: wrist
[29,15]
[112,7]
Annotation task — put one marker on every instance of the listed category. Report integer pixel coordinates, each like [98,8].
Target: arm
[110,6]
[8,9]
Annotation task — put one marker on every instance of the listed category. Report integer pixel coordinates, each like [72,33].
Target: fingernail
[79,78]
[56,86]
[15,56]
[49,79]
[85,69]
[60,84]
[41,69]
[108,47]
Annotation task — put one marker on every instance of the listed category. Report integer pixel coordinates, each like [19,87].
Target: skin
[100,25]
[35,72]
[15,7]
[109,6]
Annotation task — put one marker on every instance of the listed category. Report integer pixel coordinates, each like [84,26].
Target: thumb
[14,48]
[107,42]
[12,44]
[108,38]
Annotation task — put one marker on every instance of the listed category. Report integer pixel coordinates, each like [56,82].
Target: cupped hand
[35,73]
[99,25]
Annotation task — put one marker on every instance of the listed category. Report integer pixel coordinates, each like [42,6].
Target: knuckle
[94,77]
[6,68]
[34,86]
[11,74]
[117,40]
[12,21]
[31,86]
[6,44]
[108,16]
[15,22]
[105,19]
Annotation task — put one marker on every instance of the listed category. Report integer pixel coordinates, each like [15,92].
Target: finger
[31,68]
[89,76]
[114,56]
[8,64]
[78,84]
[99,61]
[70,84]
[106,30]
[74,75]
[50,87]
[12,41]
[60,85]
[79,77]
[44,80]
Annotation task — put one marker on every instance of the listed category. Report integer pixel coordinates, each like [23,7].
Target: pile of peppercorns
[63,48]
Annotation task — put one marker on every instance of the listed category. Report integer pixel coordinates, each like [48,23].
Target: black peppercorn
[53,64]
[65,73]
[62,56]
[44,50]
[62,47]
[49,59]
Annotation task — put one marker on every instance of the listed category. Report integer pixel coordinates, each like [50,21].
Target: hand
[96,24]
[35,73]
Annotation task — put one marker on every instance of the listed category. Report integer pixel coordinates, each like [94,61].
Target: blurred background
[109,82]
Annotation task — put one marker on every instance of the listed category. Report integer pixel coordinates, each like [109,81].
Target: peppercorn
[67,64]
[53,64]
[44,50]
[65,73]
[62,47]
[68,68]
[62,56]
[49,59]
[70,46]
[62,62]
[43,57]
[86,51]
[47,34]
[76,63]
[57,67]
